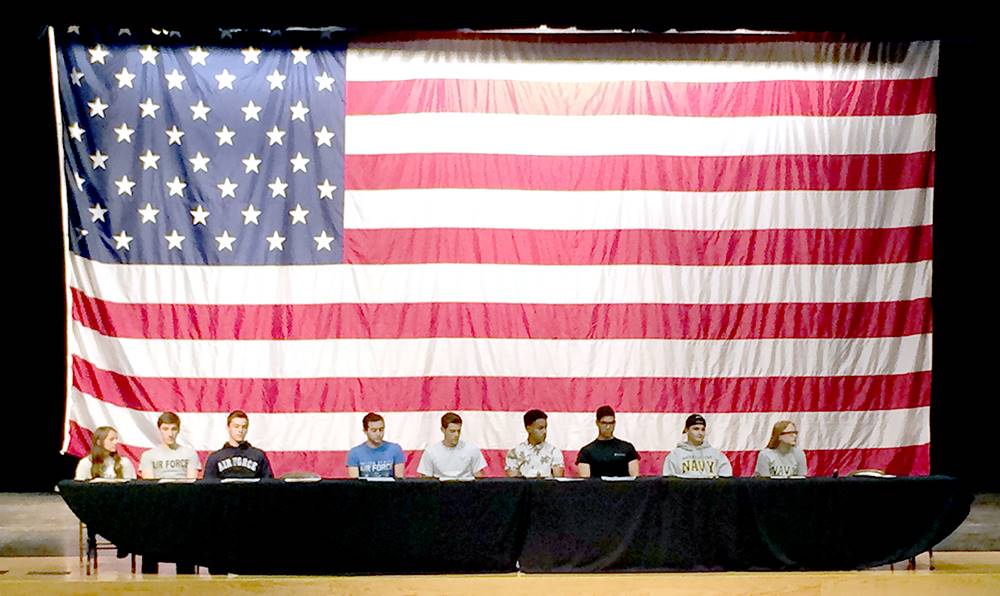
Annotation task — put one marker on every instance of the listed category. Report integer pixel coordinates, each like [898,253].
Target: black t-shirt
[607,458]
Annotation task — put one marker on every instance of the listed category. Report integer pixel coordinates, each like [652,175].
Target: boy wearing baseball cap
[695,458]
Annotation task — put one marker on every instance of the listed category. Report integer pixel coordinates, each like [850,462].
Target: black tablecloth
[739,523]
[493,525]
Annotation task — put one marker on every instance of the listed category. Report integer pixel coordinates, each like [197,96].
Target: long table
[502,525]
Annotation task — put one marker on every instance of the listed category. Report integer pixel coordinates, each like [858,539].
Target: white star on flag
[99,160]
[324,137]
[274,136]
[299,163]
[174,135]
[175,80]
[174,240]
[225,79]
[251,111]
[122,241]
[200,111]
[124,186]
[76,132]
[97,107]
[276,79]
[225,136]
[323,241]
[97,213]
[125,78]
[198,56]
[148,108]
[251,54]
[148,213]
[325,82]
[299,111]
[199,216]
[298,214]
[98,54]
[250,215]
[149,160]
[326,189]
[176,187]
[275,242]
[300,55]
[277,187]
[225,241]
[200,162]
[124,133]
[228,188]
[252,164]
[148,55]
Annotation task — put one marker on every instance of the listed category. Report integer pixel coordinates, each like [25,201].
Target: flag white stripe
[572,284]
[636,61]
[499,357]
[522,134]
[339,431]
[615,210]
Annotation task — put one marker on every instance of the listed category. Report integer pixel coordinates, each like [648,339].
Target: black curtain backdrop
[962,420]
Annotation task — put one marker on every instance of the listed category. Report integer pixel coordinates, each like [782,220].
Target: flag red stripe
[905,460]
[640,172]
[512,394]
[638,247]
[653,98]
[501,320]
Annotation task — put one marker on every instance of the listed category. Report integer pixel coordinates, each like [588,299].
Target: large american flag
[308,228]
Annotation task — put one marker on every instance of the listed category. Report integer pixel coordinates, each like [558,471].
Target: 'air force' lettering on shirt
[238,461]
[371,468]
[698,465]
[170,464]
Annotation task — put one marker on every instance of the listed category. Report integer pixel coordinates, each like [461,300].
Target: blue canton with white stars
[197,155]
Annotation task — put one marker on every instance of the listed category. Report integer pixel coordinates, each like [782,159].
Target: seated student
[375,458]
[238,458]
[104,460]
[168,460]
[782,457]
[451,459]
[535,458]
[695,458]
[606,455]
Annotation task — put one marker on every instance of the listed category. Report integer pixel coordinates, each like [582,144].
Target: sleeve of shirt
[145,465]
[128,470]
[211,467]
[557,457]
[194,460]
[510,462]
[265,467]
[803,466]
[352,459]
[670,465]
[83,469]
[426,465]
[632,453]
[725,468]
[398,457]
[762,469]
[583,456]
[480,461]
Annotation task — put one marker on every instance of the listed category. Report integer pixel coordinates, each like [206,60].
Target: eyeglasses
[790,432]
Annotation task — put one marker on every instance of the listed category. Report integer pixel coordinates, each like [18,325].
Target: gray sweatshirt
[703,461]
[772,463]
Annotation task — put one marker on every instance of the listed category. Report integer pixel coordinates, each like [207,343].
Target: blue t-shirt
[375,462]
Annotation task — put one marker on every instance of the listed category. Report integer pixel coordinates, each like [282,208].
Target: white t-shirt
[84,467]
[163,462]
[460,462]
